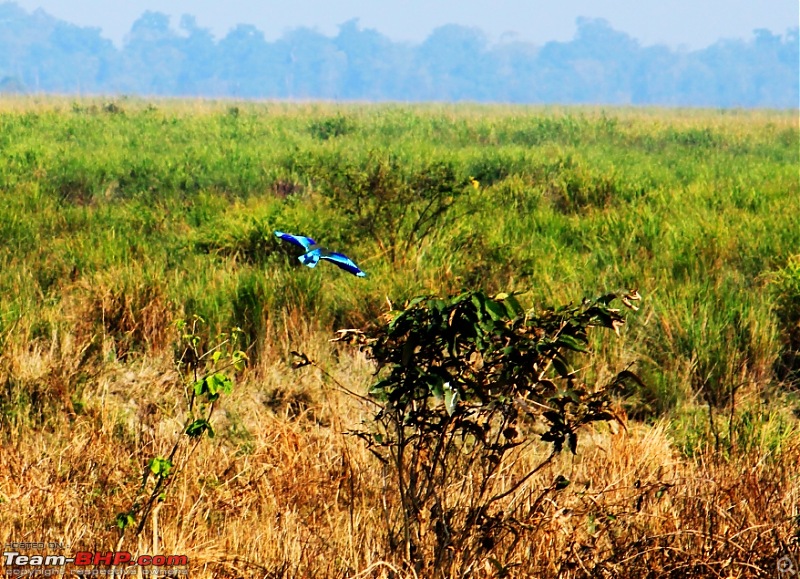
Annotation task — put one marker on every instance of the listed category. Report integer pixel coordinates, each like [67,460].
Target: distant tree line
[40,53]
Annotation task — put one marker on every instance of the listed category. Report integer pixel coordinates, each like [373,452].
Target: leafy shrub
[460,382]
[396,205]
[250,242]
[573,188]
[330,127]
[206,374]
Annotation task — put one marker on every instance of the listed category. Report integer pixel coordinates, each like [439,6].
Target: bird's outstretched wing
[305,242]
[342,261]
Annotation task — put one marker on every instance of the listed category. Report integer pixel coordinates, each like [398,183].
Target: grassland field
[118,218]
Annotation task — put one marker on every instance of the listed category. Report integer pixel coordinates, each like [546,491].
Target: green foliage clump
[330,127]
[461,381]
[396,203]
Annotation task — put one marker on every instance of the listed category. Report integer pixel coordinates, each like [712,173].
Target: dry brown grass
[284,492]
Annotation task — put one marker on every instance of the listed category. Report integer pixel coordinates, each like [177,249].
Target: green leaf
[239,360]
[124,520]
[200,387]
[396,318]
[160,466]
[217,384]
[436,386]
[561,482]
[571,342]
[451,398]
[495,309]
[513,307]
[479,302]
[415,301]
[198,428]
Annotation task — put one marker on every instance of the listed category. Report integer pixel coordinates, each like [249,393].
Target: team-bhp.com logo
[18,564]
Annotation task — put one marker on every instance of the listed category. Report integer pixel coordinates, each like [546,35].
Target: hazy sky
[688,23]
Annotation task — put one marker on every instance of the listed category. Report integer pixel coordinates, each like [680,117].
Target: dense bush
[461,382]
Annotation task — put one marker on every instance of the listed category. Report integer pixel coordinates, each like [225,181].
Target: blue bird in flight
[313,253]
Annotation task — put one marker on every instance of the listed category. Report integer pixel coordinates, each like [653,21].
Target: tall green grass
[174,203]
